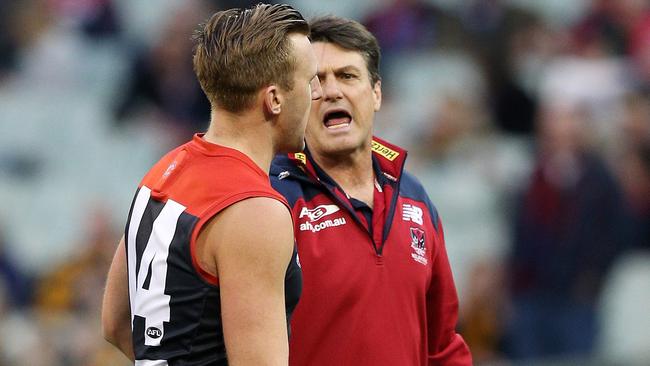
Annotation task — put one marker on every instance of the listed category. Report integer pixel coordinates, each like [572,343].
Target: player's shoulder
[200,162]
[200,181]
[260,209]
[163,166]
[255,231]
[260,217]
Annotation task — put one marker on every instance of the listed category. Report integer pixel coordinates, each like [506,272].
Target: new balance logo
[318,212]
[412,213]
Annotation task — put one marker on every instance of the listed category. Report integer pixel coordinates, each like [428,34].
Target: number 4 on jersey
[147,286]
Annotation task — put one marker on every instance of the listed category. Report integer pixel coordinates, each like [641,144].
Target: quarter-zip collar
[388,164]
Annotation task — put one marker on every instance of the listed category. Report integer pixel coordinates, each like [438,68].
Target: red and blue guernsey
[377,286]
[175,304]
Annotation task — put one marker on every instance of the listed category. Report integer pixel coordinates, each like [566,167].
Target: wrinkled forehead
[332,57]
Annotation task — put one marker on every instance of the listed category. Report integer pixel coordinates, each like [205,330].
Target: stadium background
[492,99]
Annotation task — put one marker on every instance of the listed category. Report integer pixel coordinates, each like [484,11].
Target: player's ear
[273,99]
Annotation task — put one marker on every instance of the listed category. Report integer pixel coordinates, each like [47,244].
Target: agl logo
[318,212]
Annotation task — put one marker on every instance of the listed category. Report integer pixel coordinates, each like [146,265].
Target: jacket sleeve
[446,347]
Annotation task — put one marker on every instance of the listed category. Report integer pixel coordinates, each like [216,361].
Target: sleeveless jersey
[175,304]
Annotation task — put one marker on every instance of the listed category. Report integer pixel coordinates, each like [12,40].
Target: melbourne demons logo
[418,243]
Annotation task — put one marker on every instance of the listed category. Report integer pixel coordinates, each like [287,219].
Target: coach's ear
[376,95]
[272,101]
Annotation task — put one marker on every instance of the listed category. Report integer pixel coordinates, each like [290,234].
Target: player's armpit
[116,314]
[251,243]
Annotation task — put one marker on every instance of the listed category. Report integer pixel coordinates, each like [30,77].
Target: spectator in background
[635,125]
[471,170]
[568,230]
[411,25]
[633,167]
[16,285]
[639,49]
[75,287]
[601,30]
[499,34]
[162,80]
[20,26]
[482,314]
[97,19]
[403,26]
[617,28]
[636,183]
[8,38]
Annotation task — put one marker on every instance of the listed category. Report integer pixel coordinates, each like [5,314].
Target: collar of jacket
[388,158]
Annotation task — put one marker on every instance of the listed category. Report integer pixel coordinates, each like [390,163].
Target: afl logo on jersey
[154,332]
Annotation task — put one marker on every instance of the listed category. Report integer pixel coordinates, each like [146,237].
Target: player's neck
[244,132]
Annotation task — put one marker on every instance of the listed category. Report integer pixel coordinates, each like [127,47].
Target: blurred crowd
[527,122]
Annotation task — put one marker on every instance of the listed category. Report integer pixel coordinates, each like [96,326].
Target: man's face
[340,123]
[297,102]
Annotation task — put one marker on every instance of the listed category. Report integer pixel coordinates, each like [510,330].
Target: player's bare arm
[249,246]
[116,314]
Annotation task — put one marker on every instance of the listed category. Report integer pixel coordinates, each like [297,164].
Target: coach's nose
[331,90]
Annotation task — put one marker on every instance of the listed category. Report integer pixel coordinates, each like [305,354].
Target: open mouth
[337,119]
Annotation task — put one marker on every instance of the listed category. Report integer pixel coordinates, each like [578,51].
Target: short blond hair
[239,51]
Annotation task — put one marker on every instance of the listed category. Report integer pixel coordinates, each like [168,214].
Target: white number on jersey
[152,304]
